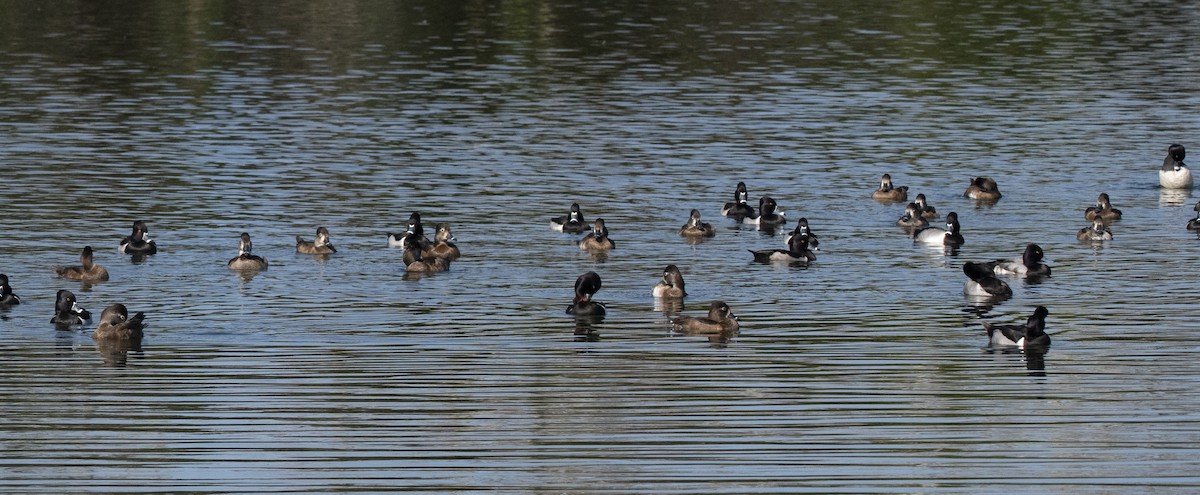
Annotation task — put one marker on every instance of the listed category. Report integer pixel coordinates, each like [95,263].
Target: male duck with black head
[586,286]
[571,223]
[1028,265]
[7,298]
[933,236]
[1174,174]
[319,245]
[1032,334]
[802,229]
[1194,224]
[889,193]
[597,240]
[414,232]
[720,319]
[138,243]
[740,207]
[86,271]
[768,219]
[116,325]
[982,281]
[246,260]
[797,252]
[695,229]
[671,286]
[67,311]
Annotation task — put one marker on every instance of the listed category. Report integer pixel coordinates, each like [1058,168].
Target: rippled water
[865,372]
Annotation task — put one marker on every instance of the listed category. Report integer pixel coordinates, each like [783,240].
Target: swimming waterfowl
[443,244]
[585,287]
[1097,232]
[7,298]
[1174,174]
[67,311]
[416,262]
[1031,334]
[671,285]
[982,281]
[983,189]
[1028,265]
[739,208]
[115,324]
[935,236]
[597,239]
[1194,224]
[414,235]
[926,210]
[888,192]
[797,252]
[695,228]
[319,245]
[1103,210]
[802,229]
[245,260]
[912,218]
[138,242]
[87,270]
[720,319]
[572,222]
[767,217]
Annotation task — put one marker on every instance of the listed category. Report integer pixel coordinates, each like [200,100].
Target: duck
[585,287]
[87,270]
[740,207]
[7,298]
[767,217]
[1174,174]
[443,244]
[983,189]
[1030,334]
[67,310]
[597,239]
[720,319]
[245,260]
[319,245]
[571,223]
[115,324]
[1103,210]
[138,242]
[1194,224]
[926,210]
[414,232]
[1028,265]
[935,236]
[695,228]
[912,217]
[802,229]
[416,262]
[797,252]
[1097,232]
[671,285]
[982,281]
[889,193]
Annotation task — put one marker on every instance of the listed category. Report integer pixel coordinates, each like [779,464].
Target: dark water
[865,372]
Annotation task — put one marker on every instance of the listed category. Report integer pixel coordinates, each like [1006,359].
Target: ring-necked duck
[926,210]
[7,298]
[671,285]
[912,218]
[720,319]
[87,270]
[115,324]
[695,228]
[245,260]
[888,192]
[982,281]
[1103,210]
[739,208]
[935,236]
[797,252]
[1174,174]
[802,229]
[415,261]
[139,241]
[585,287]
[1031,334]
[983,189]
[414,234]
[1097,232]
[597,239]
[1194,224]
[767,217]
[319,245]
[443,244]
[1028,265]
[67,311]
[572,222]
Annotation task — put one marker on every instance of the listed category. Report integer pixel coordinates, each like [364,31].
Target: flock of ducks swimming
[422,255]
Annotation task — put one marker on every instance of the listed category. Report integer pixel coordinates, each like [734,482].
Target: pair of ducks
[422,255]
[137,243]
[720,318]
[980,189]
[596,240]
[246,260]
[115,323]
[767,217]
[1099,215]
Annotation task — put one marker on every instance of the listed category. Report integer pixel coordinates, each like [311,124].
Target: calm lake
[866,372]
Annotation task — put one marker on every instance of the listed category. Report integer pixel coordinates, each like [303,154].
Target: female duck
[926,210]
[797,252]
[571,223]
[889,193]
[912,217]
[67,311]
[319,245]
[443,244]
[1194,224]
[138,242]
[414,235]
[597,239]
[983,189]
[87,270]
[982,281]
[245,260]
[935,236]
[739,208]
[416,262]
[720,320]
[1174,174]
[7,298]
[115,324]
[671,285]
[695,228]
[1028,265]
[767,217]
[585,287]
[1103,210]
[1097,232]
[802,229]
[1031,334]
